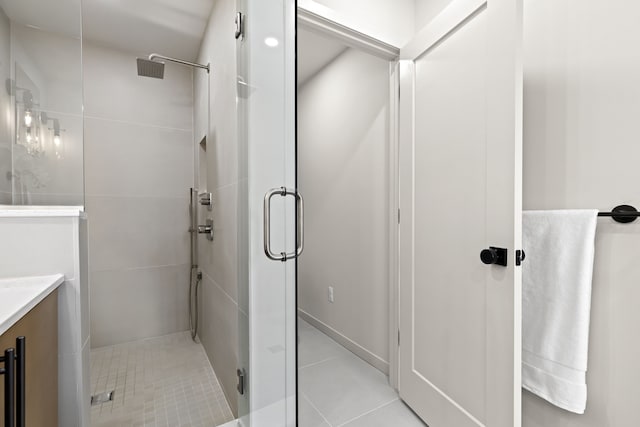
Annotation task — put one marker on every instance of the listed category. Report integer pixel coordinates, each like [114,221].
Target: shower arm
[154,56]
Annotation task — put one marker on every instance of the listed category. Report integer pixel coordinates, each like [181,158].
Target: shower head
[149,68]
[152,68]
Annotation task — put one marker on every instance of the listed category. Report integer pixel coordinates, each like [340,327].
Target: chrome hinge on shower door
[241,379]
[239,26]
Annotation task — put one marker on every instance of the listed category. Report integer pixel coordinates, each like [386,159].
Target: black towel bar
[622,213]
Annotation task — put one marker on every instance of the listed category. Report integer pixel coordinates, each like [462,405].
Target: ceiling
[60,16]
[314,53]
[169,27]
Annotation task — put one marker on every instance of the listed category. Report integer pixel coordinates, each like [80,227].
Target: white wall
[343,175]
[391,21]
[426,10]
[139,168]
[215,117]
[582,103]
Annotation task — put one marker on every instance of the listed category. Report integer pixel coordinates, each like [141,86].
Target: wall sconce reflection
[35,130]
[27,100]
[58,146]
[28,118]
[57,142]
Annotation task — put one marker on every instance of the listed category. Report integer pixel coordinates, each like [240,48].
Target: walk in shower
[154,67]
[169,360]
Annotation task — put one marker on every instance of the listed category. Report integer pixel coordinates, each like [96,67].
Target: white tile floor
[168,381]
[164,381]
[337,388]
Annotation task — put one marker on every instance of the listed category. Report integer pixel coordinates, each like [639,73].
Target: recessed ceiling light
[271,41]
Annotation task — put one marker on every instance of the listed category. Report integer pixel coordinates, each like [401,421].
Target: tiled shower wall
[139,168]
[215,117]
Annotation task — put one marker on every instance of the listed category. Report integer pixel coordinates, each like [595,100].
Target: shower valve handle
[207,229]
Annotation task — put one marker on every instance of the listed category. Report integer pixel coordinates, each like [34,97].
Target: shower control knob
[207,229]
[494,255]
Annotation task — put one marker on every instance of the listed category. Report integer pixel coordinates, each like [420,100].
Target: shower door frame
[266,112]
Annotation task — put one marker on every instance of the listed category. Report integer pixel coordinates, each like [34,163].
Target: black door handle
[493,255]
[9,372]
[14,384]
[21,384]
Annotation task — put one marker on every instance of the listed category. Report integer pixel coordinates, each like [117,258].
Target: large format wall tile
[219,335]
[133,304]
[139,157]
[55,178]
[113,90]
[127,159]
[215,116]
[53,62]
[219,257]
[127,232]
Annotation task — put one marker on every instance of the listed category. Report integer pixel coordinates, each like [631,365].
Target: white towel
[556,304]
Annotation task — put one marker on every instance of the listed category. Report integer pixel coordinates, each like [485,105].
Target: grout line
[368,412]
[318,363]
[144,267]
[205,273]
[137,124]
[56,112]
[304,396]
[134,196]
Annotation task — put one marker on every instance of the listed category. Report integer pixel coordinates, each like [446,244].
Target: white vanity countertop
[8,211]
[19,295]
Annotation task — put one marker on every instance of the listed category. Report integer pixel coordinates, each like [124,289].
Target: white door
[460,193]
[267,244]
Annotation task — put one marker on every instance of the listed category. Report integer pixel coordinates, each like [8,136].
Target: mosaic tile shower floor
[160,382]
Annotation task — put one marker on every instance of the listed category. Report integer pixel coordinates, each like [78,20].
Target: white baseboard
[364,354]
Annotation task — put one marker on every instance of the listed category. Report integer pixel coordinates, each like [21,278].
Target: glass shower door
[267,207]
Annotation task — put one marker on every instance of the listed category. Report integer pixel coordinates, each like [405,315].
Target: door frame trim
[319,24]
[440,27]
[394,222]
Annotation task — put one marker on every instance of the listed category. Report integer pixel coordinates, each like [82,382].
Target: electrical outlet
[330,294]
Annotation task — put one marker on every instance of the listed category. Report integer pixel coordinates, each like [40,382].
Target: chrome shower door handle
[283,256]
[299,223]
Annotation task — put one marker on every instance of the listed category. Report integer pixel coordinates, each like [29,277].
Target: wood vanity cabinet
[40,328]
